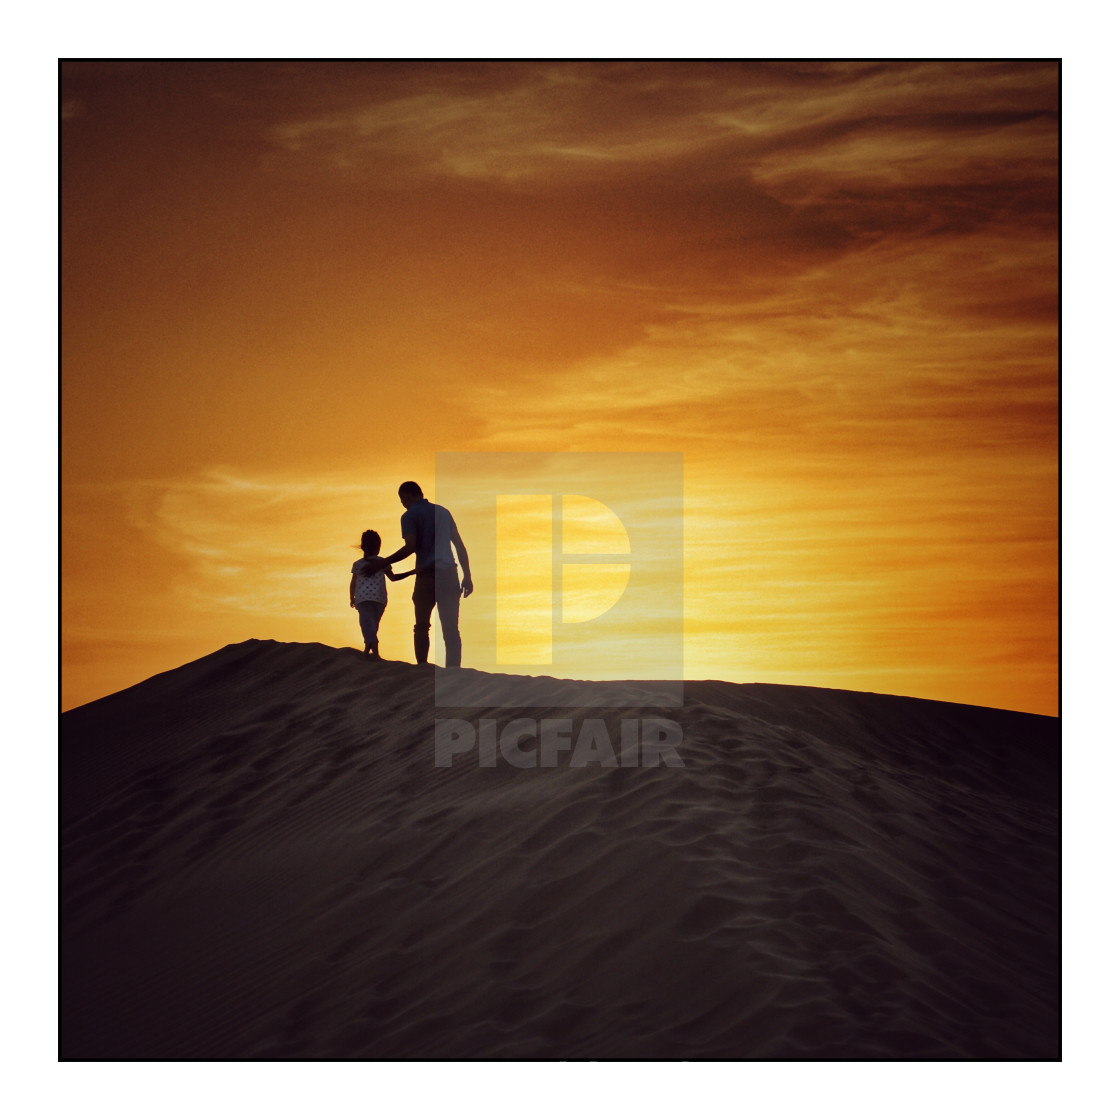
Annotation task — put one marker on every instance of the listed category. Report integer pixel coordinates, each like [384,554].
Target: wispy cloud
[845,124]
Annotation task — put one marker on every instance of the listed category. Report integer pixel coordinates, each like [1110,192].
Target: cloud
[263,544]
[517,125]
[642,193]
[535,123]
[922,345]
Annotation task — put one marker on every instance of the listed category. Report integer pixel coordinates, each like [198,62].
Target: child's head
[371,542]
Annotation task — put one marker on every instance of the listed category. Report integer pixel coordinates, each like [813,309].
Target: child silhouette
[367,591]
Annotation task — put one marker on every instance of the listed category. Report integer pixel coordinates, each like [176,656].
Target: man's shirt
[432,526]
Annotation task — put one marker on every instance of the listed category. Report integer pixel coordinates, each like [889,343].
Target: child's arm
[403,575]
[353,581]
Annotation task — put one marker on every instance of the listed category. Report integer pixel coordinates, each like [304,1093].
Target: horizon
[548,677]
[831,287]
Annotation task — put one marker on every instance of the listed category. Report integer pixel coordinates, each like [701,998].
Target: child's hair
[371,541]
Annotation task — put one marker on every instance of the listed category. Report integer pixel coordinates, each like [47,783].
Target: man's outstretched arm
[407,549]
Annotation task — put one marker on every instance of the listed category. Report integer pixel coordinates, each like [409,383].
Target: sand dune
[261,861]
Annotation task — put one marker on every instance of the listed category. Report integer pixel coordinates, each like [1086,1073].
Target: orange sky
[831,287]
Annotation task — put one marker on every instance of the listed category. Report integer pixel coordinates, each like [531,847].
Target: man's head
[409,492]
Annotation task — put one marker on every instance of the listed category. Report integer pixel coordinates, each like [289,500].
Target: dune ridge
[260,861]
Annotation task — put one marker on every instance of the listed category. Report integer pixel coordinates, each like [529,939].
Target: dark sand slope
[260,861]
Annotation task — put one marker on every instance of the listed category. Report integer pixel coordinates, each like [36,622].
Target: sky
[832,288]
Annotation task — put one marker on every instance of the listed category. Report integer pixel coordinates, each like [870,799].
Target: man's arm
[407,549]
[380,563]
[464,559]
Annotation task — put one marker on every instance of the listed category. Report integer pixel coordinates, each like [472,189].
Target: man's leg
[424,600]
[448,592]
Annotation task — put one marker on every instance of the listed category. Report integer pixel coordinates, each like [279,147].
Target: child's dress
[370,599]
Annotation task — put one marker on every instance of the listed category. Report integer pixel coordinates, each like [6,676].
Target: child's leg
[368,619]
[375,621]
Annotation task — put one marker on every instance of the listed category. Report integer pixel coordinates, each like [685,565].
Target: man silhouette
[430,531]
